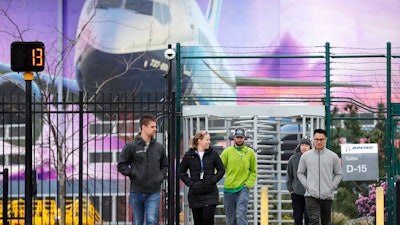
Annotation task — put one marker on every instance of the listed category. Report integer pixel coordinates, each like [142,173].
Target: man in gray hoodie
[320,172]
[294,186]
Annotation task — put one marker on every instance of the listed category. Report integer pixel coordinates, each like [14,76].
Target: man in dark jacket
[294,186]
[144,161]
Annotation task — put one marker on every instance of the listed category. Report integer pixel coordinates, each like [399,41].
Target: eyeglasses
[319,139]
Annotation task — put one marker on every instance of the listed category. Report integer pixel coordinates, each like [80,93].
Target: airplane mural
[118,46]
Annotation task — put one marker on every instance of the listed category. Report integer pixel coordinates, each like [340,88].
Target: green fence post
[328,93]
[388,139]
[178,132]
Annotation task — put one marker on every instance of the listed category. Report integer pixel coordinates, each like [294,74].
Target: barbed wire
[359,73]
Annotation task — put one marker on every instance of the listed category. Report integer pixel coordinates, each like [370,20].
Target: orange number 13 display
[27,56]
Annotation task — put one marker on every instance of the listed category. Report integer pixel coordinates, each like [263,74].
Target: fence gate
[4,195]
[76,145]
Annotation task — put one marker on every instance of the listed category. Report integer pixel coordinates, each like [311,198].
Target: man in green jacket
[241,173]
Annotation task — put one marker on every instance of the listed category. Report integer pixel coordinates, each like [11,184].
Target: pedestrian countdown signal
[27,56]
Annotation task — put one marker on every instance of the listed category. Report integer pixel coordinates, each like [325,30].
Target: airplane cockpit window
[140,6]
[161,13]
[104,4]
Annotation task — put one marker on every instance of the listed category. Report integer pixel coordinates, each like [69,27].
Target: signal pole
[28,77]
[25,57]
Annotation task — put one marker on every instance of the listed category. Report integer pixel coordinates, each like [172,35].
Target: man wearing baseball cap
[294,186]
[240,170]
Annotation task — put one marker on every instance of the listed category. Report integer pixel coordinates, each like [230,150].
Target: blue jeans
[235,205]
[145,204]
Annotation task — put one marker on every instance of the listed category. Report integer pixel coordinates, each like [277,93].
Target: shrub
[366,205]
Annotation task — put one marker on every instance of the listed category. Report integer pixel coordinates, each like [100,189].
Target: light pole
[170,55]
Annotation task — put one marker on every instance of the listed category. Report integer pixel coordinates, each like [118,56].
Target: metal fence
[4,195]
[75,149]
[96,127]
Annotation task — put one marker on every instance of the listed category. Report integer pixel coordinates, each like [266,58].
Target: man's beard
[237,144]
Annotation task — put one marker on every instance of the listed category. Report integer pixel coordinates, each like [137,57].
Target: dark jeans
[319,210]
[204,215]
[299,209]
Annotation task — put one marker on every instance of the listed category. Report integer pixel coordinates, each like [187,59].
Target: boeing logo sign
[360,148]
[360,162]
